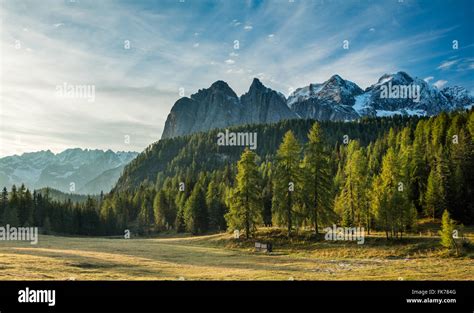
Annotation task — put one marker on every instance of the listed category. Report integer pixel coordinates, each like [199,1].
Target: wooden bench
[263,247]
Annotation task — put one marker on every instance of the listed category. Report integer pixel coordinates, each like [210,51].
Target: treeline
[303,174]
[21,207]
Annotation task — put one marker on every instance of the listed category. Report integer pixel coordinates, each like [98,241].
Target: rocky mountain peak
[256,86]
[334,99]
[335,79]
[222,86]
[217,89]
[399,78]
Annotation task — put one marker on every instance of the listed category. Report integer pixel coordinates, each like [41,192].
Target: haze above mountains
[336,99]
[90,171]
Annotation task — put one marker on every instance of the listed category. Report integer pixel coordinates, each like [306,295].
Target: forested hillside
[380,173]
[189,155]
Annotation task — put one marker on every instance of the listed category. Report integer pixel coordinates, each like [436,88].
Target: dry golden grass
[219,257]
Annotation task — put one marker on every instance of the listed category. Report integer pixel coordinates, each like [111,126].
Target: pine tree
[25,207]
[146,217]
[393,210]
[10,216]
[180,224]
[435,197]
[419,166]
[195,212]
[161,207]
[316,182]
[461,168]
[3,203]
[215,206]
[246,202]
[108,217]
[286,178]
[90,218]
[267,193]
[446,232]
[352,202]
[439,128]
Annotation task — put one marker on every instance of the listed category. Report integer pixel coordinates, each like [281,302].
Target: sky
[105,74]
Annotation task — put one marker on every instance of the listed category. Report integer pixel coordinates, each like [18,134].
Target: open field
[219,257]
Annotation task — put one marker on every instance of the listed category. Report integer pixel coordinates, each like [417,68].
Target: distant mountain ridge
[88,171]
[336,99]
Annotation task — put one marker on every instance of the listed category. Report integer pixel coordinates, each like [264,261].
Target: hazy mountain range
[73,170]
[336,99]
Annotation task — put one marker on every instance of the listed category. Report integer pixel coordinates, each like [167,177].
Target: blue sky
[186,45]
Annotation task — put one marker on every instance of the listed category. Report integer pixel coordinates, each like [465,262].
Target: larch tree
[436,191]
[351,200]
[287,175]
[246,202]
[446,232]
[393,210]
[316,184]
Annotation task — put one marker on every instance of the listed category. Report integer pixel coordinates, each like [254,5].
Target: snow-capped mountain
[334,99]
[425,100]
[393,94]
[331,100]
[73,170]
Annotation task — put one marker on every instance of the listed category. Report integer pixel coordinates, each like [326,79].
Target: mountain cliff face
[335,99]
[215,107]
[263,105]
[91,171]
[219,107]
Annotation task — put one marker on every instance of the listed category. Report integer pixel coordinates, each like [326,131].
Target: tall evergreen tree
[195,212]
[25,206]
[316,184]
[161,207]
[435,197]
[352,202]
[215,206]
[446,232]
[246,202]
[267,193]
[286,177]
[393,210]
[3,203]
[10,216]
[146,217]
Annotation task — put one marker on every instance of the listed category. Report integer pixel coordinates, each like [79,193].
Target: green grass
[220,257]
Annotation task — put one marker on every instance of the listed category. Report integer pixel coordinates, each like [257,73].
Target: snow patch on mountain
[362,103]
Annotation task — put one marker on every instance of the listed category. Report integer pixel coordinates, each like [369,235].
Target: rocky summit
[335,99]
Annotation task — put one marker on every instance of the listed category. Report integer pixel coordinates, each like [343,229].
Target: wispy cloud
[447,64]
[428,79]
[440,83]
[141,57]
